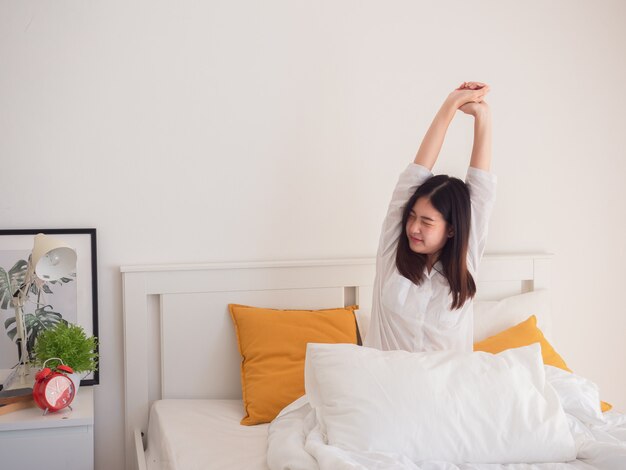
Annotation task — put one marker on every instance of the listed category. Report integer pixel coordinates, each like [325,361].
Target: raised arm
[481,150]
[431,145]
[480,181]
[433,140]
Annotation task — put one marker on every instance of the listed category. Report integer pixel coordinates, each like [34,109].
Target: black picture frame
[83,240]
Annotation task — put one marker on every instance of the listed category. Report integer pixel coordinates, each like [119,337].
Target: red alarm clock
[53,389]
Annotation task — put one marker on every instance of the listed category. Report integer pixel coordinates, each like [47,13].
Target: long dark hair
[450,196]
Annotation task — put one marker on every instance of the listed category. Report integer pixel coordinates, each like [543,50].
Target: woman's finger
[478,85]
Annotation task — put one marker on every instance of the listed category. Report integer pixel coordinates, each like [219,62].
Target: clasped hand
[469,97]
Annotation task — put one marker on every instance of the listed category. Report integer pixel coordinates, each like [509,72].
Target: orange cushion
[273,343]
[523,334]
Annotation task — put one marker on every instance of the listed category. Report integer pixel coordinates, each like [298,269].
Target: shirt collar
[437,269]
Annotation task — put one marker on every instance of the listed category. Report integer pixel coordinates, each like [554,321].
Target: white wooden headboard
[179,341]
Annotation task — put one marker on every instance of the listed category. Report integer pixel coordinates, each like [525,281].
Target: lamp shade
[52,258]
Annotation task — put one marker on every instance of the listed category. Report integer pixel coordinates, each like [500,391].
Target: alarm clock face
[59,391]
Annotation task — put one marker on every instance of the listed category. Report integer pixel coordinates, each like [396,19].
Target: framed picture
[73,298]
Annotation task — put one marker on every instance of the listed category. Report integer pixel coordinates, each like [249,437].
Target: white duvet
[370,409]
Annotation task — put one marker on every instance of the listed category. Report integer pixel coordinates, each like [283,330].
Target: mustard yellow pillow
[273,343]
[523,334]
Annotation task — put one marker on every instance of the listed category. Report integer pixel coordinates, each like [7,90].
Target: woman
[432,240]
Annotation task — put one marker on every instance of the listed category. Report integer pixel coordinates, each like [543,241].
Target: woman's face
[426,228]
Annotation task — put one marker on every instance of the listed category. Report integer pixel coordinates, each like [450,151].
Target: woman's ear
[450,233]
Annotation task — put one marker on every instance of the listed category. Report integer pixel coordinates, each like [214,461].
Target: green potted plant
[69,343]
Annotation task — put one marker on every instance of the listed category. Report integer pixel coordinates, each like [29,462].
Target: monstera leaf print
[10,281]
[41,320]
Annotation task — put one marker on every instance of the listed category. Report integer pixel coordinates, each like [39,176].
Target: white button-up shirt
[418,318]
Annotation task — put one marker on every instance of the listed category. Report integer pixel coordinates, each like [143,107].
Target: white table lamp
[52,259]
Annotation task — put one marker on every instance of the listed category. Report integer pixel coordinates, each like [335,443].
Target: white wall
[237,130]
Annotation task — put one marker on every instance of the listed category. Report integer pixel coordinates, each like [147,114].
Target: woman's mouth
[415,240]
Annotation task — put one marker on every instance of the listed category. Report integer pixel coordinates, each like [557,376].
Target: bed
[182,364]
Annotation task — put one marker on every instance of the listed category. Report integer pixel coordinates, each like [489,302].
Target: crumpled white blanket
[295,441]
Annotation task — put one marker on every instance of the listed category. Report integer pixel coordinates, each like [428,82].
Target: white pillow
[494,316]
[580,397]
[363,317]
[456,407]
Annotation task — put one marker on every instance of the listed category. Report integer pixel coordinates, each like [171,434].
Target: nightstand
[61,440]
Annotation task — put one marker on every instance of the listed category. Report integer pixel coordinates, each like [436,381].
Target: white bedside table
[61,440]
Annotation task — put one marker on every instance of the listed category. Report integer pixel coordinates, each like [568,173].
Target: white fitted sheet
[203,434]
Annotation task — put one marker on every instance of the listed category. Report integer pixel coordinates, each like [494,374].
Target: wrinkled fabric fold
[296,441]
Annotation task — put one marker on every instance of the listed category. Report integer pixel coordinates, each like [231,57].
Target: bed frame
[179,341]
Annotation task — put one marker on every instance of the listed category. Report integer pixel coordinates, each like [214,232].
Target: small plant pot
[76,378]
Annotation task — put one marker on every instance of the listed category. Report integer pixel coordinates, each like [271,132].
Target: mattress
[204,434]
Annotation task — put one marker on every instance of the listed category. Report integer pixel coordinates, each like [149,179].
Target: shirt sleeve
[482,189]
[410,179]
